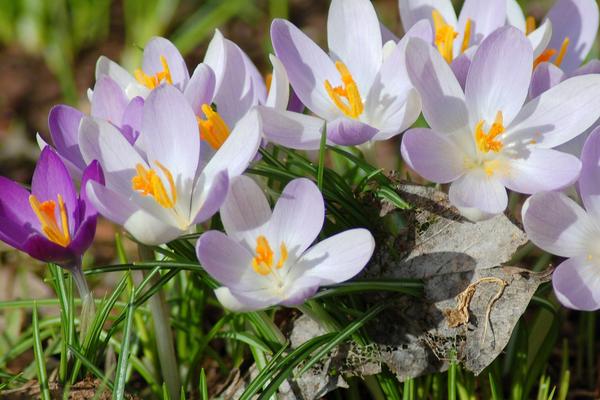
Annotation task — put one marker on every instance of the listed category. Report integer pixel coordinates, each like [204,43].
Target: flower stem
[162,332]
[88,307]
[317,313]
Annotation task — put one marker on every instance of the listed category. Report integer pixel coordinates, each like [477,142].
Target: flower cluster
[163,150]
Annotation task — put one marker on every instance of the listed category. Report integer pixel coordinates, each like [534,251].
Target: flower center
[152,82]
[487,141]
[46,214]
[148,183]
[347,97]
[212,129]
[263,262]
[549,53]
[445,35]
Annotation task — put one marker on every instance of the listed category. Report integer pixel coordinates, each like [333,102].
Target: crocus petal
[499,76]
[339,257]
[107,67]
[92,173]
[84,236]
[477,190]
[298,216]
[545,76]
[354,37]
[557,224]
[589,182]
[514,15]
[243,302]
[291,129]
[108,101]
[461,65]
[234,90]
[307,66]
[50,179]
[559,114]
[392,104]
[485,18]
[255,80]
[576,283]
[63,122]
[131,124]
[349,132]
[37,246]
[432,155]
[239,148]
[300,290]
[159,47]
[228,262]
[201,87]
[171,136]
[17,219]
[146,227]
[103,142]
[279,92]
[413,11]
[578,21]
[592,67]
[245,211]
[443,100]
[541,170]
[387,35]
[540,38]
[211,198]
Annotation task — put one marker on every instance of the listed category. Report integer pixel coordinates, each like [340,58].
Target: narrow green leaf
[40,361]
[122,364]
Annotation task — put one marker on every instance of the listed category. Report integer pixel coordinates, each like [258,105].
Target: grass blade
[40,362]
[122,365]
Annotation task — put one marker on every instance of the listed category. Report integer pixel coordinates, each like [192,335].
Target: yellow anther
[467,35]
[347,97]
[46,214]
[488,142]
[444,36]
[563,50]
[529,25]
[268,81]
[263,261]
[152,82]
[212,129]
[148,183]
[549,53]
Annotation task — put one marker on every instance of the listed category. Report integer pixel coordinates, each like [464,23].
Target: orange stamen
[347,97]
[151,82]
[212,129]
[148,183]
[444,36]
[46,214]
[487,142]
[263,261]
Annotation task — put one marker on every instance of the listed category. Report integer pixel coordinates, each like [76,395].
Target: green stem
[322,149]
[274,329]
[88,308]
[162,332]
[317,313]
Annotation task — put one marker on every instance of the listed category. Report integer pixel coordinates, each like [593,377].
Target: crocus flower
[361,95]
[452,36]
[108,102]
[560,226]
[574,25]
[52,222]
[174,184]
[485,138]
[266,258]
[240,88]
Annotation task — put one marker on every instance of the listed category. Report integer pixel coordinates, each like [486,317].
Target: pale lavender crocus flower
[173,185]
[240,88]
[266,258]
[560,226]
[486,138]
[573,26]
[108,102]
[360,90]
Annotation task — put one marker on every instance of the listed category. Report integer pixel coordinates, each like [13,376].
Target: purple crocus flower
[52,222]
[176,182]
[360,93]
[486,138]
[560,226]
[573,28]
[266,258]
